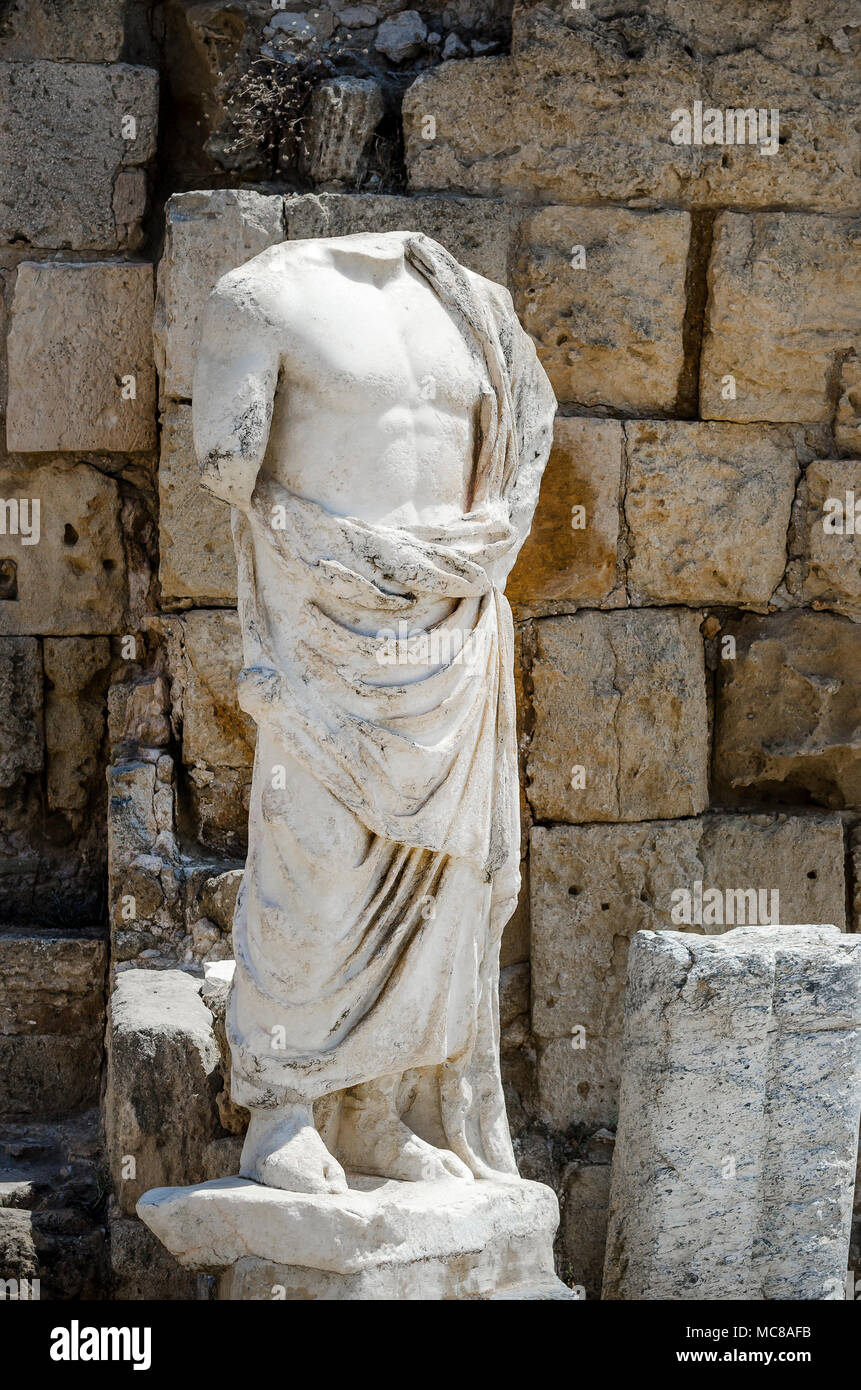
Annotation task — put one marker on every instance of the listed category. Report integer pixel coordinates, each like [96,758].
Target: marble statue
[379,422]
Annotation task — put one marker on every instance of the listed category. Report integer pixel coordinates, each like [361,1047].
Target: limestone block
[621,696]
[832,577]
[206,235]
[734,1164]
[602,292]
[786,711]
[593,887]
[77,669]
[196,557]
[382,1239]
[21,737]
[215,731]
[83,333]
[847,422]
[401,37]
[571,554]
[476,232]
[72,580]
[66,148]
[575,145]
[707,508]
[782,306]
[583,1231]
[164,1073]
[51,1022]
[79,30]
[343,115]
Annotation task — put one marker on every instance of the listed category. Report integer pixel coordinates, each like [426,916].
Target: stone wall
[688,603]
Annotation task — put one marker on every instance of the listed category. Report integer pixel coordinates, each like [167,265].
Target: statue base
[380,1240]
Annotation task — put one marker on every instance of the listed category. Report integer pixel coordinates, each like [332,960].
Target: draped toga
[384,838]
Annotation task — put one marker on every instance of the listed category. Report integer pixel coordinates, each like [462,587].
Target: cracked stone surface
[741,1092]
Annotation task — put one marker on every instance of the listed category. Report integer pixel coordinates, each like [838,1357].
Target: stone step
[52,1020]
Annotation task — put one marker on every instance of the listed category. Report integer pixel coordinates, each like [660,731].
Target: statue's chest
[372,348]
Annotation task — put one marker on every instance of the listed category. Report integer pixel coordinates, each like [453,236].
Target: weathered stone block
[51,1022]
[21,737]
[593,887]
[574,145]
[734,1164]
[782,311]
[832,576]
[196,557]
[207,234]
[77,671]
[602,292]
[343,115]
[72,578]
[142,1268]
[78,29]
[71,166]
[707,508]
[787,723]
[80,358]
[569,553]
[620,696]
[164,1073]
[207,651]
[476,232]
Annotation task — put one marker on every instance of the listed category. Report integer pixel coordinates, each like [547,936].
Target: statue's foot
[283,1149]
[379,1143]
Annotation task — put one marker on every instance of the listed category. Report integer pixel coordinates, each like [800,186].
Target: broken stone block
[832,577]
[593,887]
[70,579]
[782,308]
[215,731]
[344,113]
[164,1073]
[583,1228]
[21,737]
[602,292]
[83,332]
[196,556]
[620,717]
[707,508]
[207,234]
[575,146]
[77,671]
[52,1020]
[69,131]
[571,549]
[475,231]
[734,1164]
[786,711]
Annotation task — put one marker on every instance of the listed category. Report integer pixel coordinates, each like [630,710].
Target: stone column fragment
[738,1127]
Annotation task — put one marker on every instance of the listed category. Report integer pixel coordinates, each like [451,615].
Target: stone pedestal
[381,1240]
[734,1162]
